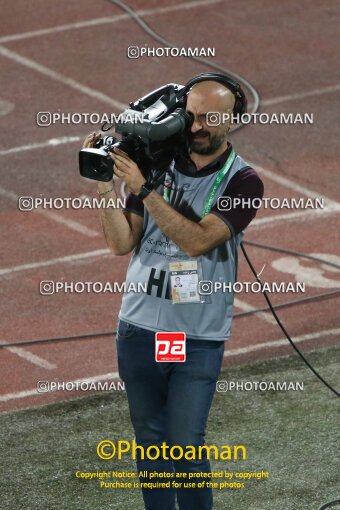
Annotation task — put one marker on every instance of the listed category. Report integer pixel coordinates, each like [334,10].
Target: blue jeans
[169,402]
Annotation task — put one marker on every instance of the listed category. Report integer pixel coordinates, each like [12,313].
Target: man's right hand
[90,140]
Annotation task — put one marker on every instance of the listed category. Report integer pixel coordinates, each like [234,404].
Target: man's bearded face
[207,142]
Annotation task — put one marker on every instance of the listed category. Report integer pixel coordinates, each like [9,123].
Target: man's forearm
[117,231]
[187,234]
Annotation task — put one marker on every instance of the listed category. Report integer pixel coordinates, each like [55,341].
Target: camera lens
[95,165]
[108,140]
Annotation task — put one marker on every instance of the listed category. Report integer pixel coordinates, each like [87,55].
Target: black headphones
[240,106]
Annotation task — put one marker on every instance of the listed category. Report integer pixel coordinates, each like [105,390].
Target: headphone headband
[240,105]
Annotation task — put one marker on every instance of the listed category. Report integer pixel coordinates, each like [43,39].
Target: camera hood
[96,164]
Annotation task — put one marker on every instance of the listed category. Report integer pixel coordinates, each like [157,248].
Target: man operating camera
[179,221]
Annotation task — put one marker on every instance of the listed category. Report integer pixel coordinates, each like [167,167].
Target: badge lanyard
[213,190]
[185,273]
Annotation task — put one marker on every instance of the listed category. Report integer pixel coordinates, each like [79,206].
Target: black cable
[291,252]
[59,339]
[294,302]
[282,326]
[329,504]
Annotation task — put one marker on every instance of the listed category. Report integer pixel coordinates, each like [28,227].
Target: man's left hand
[127,170]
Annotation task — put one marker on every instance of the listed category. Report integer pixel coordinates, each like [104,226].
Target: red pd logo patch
[170,346]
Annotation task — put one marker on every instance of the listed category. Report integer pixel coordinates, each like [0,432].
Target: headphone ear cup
[240,106]
[244,105]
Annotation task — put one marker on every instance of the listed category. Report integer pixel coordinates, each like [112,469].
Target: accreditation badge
[184,277]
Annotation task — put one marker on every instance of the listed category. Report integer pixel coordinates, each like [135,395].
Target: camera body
[152,130]
[96,163]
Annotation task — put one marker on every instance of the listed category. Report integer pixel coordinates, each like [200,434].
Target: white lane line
[107,20]
[32,358]
[63,28]
[301,95]
[289,183]
[34,392]
[71,224]
[51,215]
[9,194]
[5,107]
[259,223]
[54,75]
[278,343]
[52,142]
[330,206]
[245,307]
[58,260]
